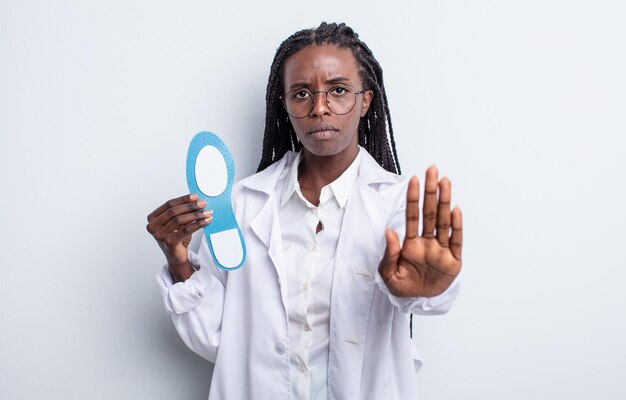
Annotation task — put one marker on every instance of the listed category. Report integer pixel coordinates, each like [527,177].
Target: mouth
[323,130]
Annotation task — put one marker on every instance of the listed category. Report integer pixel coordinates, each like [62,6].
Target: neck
[315,172]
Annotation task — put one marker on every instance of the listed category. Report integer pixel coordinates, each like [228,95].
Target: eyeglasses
[300,102]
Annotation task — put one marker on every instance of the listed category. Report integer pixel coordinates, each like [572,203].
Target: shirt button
[307,327]
[312,247]
[280,348]
[302,369]
[315,211]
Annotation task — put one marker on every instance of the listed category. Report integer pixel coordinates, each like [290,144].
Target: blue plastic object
[221,233]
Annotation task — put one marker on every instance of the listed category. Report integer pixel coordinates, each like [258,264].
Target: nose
[320,104]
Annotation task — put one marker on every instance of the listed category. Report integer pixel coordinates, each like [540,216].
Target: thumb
[392,253]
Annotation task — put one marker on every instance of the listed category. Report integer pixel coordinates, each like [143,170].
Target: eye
[339,91]
[300,94]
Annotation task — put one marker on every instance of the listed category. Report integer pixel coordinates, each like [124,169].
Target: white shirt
[309,259]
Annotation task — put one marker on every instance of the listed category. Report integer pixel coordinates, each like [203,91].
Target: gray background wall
[521,104]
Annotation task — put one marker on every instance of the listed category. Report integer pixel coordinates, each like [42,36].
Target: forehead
[318,64]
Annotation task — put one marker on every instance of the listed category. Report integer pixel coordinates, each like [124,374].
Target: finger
[412,208]
[171,203]
[456,239]
[179,221]
[392,253]
[430,203]
[443,212]
[177,237]
[175,211]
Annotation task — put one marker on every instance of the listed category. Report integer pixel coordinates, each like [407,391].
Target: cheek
[356,114]
[297,125]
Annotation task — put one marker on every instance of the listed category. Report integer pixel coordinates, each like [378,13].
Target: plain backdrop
[520,103]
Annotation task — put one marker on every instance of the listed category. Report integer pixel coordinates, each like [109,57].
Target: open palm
[426,265]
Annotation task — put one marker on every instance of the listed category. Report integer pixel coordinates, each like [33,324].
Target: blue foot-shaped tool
[210,174]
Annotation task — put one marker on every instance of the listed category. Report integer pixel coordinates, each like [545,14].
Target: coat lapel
[265,225]
[267,228]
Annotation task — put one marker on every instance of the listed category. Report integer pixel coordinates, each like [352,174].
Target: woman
[320,308]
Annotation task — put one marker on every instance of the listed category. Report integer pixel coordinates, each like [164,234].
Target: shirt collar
[340,187]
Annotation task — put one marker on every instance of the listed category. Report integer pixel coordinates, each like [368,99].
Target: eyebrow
[339,79]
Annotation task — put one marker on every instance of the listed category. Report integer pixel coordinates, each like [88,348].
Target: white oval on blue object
[211,173]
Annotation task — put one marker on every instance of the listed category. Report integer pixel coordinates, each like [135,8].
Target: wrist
[181,271]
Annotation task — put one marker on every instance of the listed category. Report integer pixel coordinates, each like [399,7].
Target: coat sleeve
[196,305]
[436,305]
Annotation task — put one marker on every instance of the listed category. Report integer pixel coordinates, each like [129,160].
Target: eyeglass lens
[300,102]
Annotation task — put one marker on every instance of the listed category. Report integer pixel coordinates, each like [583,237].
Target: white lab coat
[238,320]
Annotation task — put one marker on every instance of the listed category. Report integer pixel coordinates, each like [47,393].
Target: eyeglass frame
[284,100]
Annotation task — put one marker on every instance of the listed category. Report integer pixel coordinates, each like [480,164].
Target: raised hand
[172,224]
[426,265]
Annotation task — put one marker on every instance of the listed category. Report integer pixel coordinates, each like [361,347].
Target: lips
[322,127]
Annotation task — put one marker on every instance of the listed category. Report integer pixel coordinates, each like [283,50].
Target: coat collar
[265,181]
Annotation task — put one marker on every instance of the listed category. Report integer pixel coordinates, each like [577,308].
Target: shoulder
[384,183]
[264,181]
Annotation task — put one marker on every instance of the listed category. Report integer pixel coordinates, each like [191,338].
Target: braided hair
[375,129]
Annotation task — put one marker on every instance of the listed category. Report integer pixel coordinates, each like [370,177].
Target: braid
[375,129]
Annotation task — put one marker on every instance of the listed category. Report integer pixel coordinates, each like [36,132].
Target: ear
[368,96]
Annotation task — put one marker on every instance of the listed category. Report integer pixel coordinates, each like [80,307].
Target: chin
[322,149]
